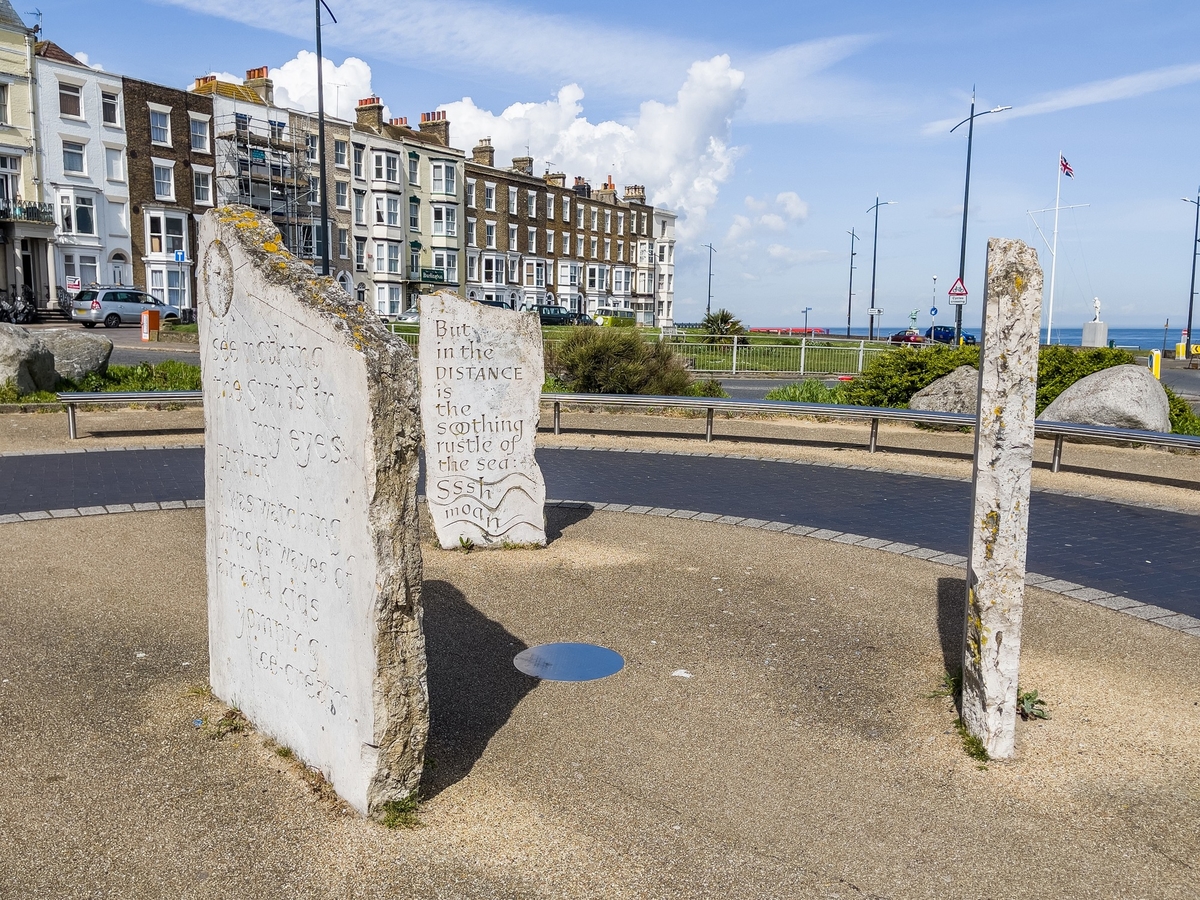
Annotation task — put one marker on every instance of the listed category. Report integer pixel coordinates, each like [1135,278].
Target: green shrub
[709,388]
[811,390]
[1060,367]
[552,385]
[617,361]
[168,375]
[1183,420]
[891,378]
[719,324]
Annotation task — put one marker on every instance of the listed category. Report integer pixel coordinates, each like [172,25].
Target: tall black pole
[708,309]
[321,151]
[962,256]
[1187,349]
[850,292]
[874,255]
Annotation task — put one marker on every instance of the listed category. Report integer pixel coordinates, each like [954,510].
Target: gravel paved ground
[804,757]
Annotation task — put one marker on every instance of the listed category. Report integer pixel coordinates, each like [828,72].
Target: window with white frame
[531,203]
[512,270]
[358,162]
[339,154]
[314,190]
[512,201]
[444,178]
[198,131]
[492,273]
[277,129]
[360,254]
[344,243]
[470,193]
[470,232]
[643,223]
[620,223]
[70,100]
[379,165]
[566,209]
[414,262]
[393,259]
[641,282]
[310,147]
[380,256]
[489,197]
[393,212]
[4,104]
[620,251]
[662,280]
[549,243]
[579,216]
[549,207]
[114,164]
[594,242]
[608,221]
[73,161]
[512,237]
[164,179]
[447,261]
[595,218]
[472,266]
[380,217]
[414,214]
[360,293]
[531,237]
[202,186]
[662,252]
[381,299]
[566,244]
[160,127]
[165,233]
[392,169]
[439,220]
[77,213]
[110,108]
[360,208]
[394,299]
[451,215]
[341,194]
[579,245]
[414,168]
[607,249]
[568,274]
[489,235]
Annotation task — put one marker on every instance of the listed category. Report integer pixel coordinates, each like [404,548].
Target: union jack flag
[1065,166]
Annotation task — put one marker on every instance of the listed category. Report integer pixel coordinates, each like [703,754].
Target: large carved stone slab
[314,566]
[1000,502]
[481,382]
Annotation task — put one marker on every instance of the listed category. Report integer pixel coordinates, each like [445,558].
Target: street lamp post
[807,310]
[321,142]
[711,251]
[1187,348]
[874,257]
[850,292]
[962,256]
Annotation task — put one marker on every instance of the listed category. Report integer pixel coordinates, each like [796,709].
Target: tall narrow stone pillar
[1000,493]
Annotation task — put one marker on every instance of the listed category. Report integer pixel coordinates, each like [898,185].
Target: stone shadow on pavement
[951,613]
[473,685]
[558,518]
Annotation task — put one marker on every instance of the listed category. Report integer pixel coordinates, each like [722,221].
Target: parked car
[555,315]
[582,319]
[409,317]
[944,334]
[908,336]
[117,305]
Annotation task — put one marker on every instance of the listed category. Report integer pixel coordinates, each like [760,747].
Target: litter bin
[187,317]
[149,324]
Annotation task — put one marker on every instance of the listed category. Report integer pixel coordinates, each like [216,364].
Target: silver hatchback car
[117,305]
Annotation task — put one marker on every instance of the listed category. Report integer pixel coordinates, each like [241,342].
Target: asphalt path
[1149,555]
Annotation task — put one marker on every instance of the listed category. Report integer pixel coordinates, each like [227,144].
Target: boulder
[77,353]
[1121,396]
[25,359]
[957,392]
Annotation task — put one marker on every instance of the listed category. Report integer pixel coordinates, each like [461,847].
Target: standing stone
[314,566]
[76,354]
[481,383]
[1000,501]
[25,358]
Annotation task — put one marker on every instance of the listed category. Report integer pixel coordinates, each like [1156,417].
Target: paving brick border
[101,449]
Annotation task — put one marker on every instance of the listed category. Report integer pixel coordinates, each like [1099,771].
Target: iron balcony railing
[22,211]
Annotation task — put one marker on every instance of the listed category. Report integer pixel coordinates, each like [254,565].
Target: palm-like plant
[719,324]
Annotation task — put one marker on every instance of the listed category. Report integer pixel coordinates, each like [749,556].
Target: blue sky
[777,151]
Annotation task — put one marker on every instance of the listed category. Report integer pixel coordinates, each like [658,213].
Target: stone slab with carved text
[481,383]
[314,566]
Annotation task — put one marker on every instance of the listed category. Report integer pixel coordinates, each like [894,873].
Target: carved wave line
[511,524]
[474,499]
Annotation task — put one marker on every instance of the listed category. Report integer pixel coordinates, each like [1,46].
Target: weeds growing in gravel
[400,813]
[972,744]
[1030,705]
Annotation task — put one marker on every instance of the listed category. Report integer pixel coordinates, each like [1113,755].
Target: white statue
[1096,305]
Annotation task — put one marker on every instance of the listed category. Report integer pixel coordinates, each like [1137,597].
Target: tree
[721,323]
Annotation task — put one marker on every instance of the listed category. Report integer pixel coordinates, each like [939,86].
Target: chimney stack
[556,179]
[203,80]
[257,81]
[607,191]
[523,164]
[582,188]
[437,126]
[401,122]
[635,193]
[369,114]
[484,153]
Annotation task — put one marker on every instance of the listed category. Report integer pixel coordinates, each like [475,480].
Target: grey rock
[76,354]
[25,359]
[957,392]
[1122,397]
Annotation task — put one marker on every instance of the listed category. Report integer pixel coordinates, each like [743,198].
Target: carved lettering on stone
[481,383]
[1000,502]
[314,567]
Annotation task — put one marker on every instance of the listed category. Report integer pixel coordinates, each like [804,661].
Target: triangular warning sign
[959,289]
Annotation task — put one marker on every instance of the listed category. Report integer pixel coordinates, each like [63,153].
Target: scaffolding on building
[270,166]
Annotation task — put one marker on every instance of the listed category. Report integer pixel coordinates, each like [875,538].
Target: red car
[909,336]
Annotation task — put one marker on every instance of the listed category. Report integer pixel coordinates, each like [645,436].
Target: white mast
[1054,252]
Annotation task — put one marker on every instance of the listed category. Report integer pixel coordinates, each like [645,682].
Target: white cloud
[790,255]
[681,151]
[227,77]
[86,60]
[793,207]
[755,204]
[773,221]
[741,227]
[296,84]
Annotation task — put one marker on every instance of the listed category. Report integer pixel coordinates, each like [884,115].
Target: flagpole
[1054,252]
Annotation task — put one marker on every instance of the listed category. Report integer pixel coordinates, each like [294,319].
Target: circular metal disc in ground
[569,662]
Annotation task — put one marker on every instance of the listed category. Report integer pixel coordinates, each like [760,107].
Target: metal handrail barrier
[1058,430]
[71,399]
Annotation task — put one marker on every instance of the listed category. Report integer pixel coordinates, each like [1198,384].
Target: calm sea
[1141,338]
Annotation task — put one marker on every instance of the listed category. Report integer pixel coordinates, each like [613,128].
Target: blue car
[944,334]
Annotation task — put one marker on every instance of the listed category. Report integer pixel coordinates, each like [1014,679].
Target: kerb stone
[1000,494]
[314,566]
[481,385]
